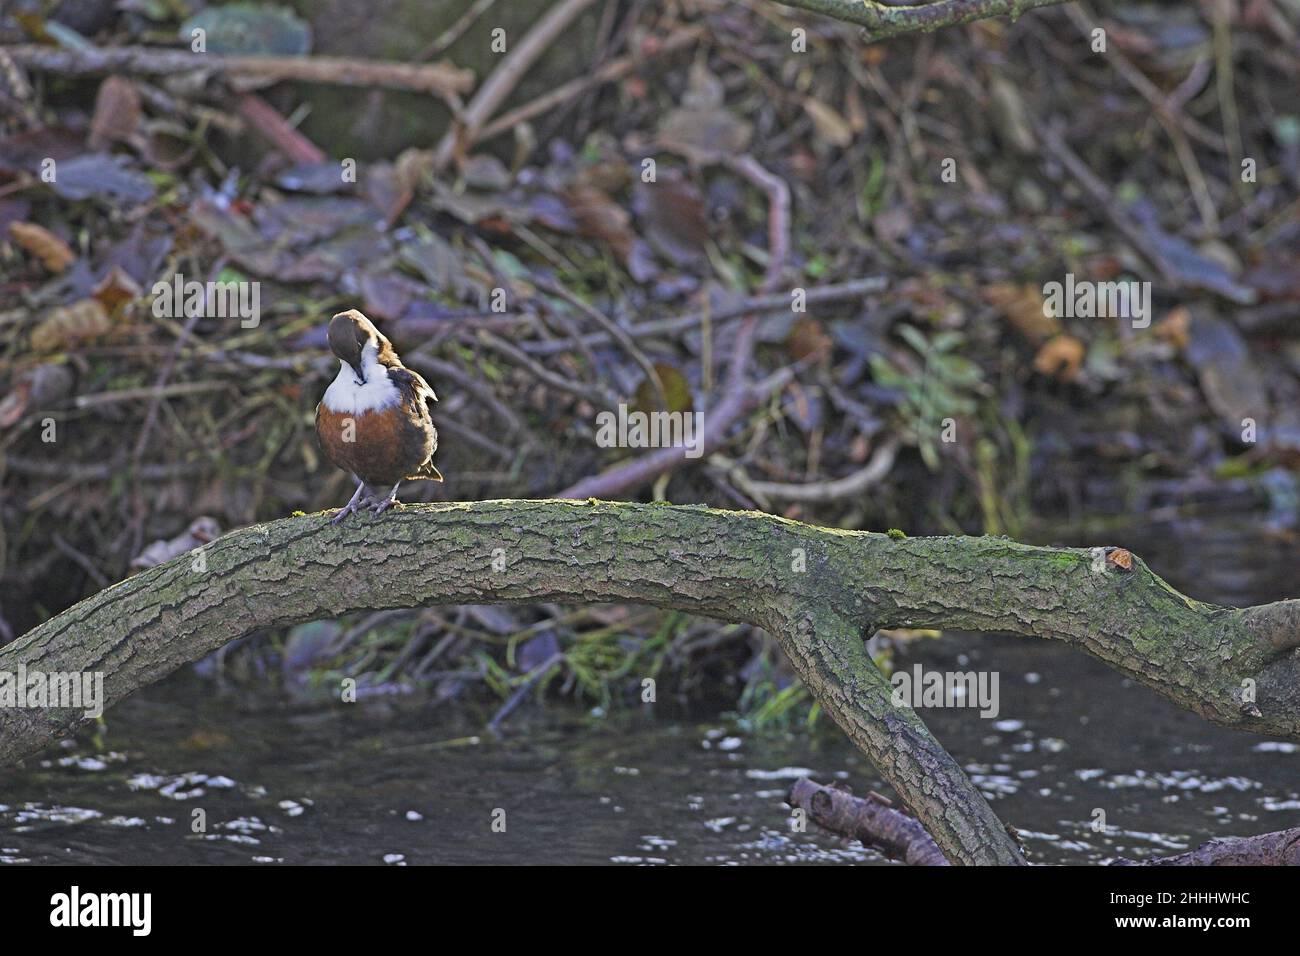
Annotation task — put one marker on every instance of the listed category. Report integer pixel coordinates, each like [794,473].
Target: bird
[373,420]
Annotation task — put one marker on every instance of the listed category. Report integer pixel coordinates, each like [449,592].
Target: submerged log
[899,836]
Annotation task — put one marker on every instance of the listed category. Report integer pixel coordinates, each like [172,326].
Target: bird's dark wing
[411,384]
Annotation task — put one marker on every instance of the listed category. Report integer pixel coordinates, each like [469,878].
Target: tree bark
[875,823]
[883,20]
[819,591]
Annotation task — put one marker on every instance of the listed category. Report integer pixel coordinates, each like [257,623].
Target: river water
[405,781]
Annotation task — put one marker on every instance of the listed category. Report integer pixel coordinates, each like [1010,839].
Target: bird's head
[349,334]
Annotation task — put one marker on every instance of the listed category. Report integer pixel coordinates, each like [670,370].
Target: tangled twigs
[613,70]
[817,295]
[739,397]
[497,87]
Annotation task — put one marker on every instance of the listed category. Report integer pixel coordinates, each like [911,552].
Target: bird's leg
[355,504]
[382,506]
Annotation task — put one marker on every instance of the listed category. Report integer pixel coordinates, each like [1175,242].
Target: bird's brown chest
[373,445]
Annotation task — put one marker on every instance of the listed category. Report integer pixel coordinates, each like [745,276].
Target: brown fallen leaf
[116,290]
[1175,328]
[1061,356]
[1120,558]
[1022,306]
[117,112]
[55,254]
[69,325]
[807,340]
[830,125]
[673,216]
[600,217]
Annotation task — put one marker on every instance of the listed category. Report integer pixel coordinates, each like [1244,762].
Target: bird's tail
[429,472]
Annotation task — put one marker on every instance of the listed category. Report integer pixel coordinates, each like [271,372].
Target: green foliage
[947,386]
[764,706]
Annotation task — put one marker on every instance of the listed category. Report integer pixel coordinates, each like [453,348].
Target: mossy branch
[819,591]
[883,20]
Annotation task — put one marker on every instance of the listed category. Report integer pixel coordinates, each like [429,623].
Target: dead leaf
[117,112]
[1061,357]
[599,217]
[1120,558]
[830,125]
[807,340]
[676,390]
[116,290]
[201,530]
[70,325]
[101,175]
[674,218]
[1023,307]
[705,135]
[1174,328]
[1230,379]
[55,254]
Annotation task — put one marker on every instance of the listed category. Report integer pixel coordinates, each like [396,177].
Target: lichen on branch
[819,591]
[883,20]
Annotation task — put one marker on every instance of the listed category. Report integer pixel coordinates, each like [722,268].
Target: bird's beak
[361,376]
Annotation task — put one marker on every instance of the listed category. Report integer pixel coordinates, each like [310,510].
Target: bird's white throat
[346,397]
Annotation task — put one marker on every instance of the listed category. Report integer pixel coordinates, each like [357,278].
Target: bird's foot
[379,507]
[355,503]
[350,508]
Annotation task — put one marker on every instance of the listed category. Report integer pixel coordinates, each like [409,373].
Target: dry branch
[875,823]
[437,78]
[870,822]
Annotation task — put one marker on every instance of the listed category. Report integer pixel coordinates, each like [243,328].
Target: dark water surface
[406,782]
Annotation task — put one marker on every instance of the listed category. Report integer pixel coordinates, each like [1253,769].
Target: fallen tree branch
[739,396]
[871,822]
[613,70]
[874,823]
[1280,848]
[438,78]
[735,566]
[464,131]
[882,20]
[835,489]
[780,302]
